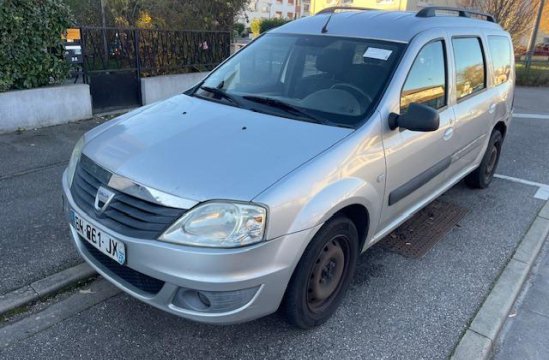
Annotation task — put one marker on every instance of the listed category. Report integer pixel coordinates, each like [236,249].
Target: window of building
[500,51]
[290,15]
[470,66]
[426,81]
[278,14]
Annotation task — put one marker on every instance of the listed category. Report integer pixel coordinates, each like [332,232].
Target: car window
[333,79]
[500,51]
[470,67]
[426,81]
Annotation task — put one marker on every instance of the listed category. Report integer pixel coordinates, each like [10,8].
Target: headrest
[331,61]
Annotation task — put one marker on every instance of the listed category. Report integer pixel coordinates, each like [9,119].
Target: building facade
[266,9]
[404,5]
[294,9]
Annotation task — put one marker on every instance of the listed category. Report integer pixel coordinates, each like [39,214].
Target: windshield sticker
[376,53]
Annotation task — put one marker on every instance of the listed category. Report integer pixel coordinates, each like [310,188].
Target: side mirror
[419,117]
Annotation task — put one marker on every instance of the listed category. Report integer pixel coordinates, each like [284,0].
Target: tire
[483,175]
[323,274]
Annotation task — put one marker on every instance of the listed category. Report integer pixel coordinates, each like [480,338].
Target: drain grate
[418,235]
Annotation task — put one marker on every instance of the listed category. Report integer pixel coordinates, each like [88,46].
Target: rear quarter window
[500,51]
[470,66]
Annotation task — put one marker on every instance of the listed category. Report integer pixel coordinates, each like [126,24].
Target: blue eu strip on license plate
[106,244]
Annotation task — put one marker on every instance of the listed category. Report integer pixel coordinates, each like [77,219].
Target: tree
[85,12]
[165,14]
[515,16]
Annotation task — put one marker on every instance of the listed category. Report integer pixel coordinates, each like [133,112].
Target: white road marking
[531,116]
[543,189]
[542,193]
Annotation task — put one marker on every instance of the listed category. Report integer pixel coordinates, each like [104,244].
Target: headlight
[76,152]
[219,224]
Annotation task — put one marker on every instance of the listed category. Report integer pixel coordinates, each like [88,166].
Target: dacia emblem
[103,198]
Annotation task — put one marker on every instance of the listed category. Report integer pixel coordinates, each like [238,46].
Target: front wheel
[483,175]
[323,274]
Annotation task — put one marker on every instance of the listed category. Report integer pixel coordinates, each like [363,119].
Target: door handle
[492,108]
[448,133]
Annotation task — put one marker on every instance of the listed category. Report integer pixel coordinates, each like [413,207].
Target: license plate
[115,249]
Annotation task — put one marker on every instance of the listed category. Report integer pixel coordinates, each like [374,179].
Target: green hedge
[259,26]
[31,47]
[538,75]
[268,24]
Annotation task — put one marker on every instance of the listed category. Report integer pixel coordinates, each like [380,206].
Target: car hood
[201,150]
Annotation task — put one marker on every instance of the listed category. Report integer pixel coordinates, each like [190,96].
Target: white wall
[162,87]
[27,109]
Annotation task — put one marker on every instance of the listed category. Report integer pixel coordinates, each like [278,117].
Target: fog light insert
[213,301]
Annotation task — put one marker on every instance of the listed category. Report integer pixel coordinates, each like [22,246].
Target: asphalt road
[397,308]
[34,239]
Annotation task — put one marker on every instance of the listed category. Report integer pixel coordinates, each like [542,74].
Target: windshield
[325,79]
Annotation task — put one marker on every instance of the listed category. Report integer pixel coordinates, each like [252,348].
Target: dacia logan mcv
[259,187]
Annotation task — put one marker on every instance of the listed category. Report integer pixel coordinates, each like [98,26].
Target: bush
[268,24]
[255,27]
[538,75]
[259,26]
[239,28]
[31,48]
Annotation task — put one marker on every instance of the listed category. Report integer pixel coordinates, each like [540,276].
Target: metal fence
[114,59]
[153,52]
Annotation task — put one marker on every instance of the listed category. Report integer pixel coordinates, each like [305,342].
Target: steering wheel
[357,92]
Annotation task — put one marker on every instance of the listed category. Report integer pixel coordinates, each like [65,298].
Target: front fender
[333,198]
[349,173]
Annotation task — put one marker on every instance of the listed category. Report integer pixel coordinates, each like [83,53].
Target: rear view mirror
[418,117]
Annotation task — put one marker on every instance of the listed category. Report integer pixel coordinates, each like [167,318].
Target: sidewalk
[526,333]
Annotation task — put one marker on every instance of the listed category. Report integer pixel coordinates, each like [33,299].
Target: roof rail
[333,9]
[430,11]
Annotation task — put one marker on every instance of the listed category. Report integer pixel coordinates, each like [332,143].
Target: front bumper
[263,268]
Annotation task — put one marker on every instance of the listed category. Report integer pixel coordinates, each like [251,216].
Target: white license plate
[115,249]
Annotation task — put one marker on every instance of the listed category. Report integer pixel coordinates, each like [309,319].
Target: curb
[98,291]
[478,341]
[44,287]
[114,113]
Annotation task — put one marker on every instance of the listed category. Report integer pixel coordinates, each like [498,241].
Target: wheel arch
[359,215]
[354,198]
[501,127]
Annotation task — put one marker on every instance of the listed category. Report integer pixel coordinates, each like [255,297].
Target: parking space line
[543,189]
[531,116]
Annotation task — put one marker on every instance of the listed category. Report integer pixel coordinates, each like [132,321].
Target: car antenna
[325,27]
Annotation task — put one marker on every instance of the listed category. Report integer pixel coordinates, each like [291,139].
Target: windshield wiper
[289,108]
[221,94]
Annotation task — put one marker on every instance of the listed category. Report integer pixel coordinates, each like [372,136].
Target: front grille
[139,280]
[126,214]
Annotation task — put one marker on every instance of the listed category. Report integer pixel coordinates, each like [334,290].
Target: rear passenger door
[475,102]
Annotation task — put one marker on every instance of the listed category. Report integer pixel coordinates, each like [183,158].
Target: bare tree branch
[515,16]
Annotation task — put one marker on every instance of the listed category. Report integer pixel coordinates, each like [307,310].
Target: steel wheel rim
[327,274]
[492,161]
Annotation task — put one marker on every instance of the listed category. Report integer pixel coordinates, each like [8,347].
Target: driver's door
[417,161]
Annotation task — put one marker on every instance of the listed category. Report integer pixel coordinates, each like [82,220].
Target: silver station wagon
[258,188]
